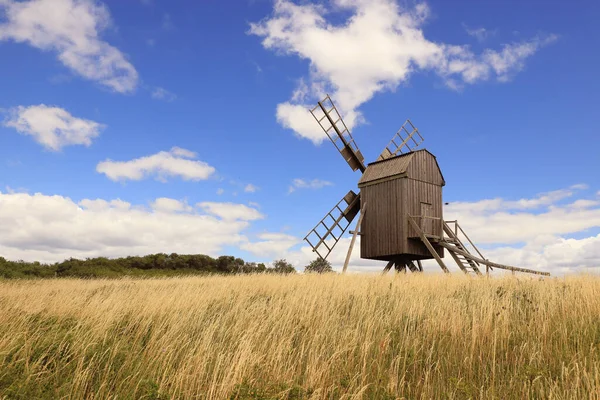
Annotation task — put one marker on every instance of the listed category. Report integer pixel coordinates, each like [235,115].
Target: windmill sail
[323,237]
[406,139]
[333,125]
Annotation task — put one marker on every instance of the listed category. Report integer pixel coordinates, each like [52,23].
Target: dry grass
[262,337]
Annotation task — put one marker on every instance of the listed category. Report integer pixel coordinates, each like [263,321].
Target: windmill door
[427,223]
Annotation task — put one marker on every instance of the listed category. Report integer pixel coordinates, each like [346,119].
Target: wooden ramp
[464,252]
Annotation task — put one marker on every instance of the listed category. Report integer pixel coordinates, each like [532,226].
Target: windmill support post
[356,230]
[428,244]
[389,266]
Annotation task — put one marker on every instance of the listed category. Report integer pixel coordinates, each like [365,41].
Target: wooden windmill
[400,205]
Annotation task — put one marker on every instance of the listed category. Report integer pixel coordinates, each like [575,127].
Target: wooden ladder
[466,264]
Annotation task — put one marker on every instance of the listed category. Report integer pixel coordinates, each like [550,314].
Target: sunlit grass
[330,336]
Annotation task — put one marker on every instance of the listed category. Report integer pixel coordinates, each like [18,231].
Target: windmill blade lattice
[334,126]
[406,139]
[323,237]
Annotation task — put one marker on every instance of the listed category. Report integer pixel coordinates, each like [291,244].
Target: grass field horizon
[301,336]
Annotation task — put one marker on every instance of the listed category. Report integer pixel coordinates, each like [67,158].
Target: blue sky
[203,105]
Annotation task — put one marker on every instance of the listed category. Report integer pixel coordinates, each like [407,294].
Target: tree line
[153,265]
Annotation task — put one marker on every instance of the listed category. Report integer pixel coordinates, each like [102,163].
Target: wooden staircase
[470,262]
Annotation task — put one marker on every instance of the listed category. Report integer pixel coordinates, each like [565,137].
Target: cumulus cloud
[377,48]
[163,94]
[176,162]
[308,184]
[165,204]
[52,127]
[30,223]
[70,29]
[271,245]
[502,222]
[231,211]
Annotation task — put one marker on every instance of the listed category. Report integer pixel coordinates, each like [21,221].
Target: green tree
[318,265]
[282,267]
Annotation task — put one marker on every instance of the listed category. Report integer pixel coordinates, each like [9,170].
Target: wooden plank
[492,264]
[428,245]
[360,218]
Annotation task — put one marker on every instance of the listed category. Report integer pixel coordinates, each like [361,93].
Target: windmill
[399,205]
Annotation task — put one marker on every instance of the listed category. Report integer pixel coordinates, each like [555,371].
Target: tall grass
[331,336]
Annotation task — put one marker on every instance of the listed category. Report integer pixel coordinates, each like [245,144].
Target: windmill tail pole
[491,264]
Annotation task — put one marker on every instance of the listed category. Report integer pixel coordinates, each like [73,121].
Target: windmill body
[394,189]
[399,203]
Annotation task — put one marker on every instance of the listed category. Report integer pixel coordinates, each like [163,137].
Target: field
[296,337]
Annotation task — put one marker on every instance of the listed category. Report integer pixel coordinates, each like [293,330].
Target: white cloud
[502,222]
[511,59]
[177,162]
[96,227]
[220,191]
[536,232]
[71,29]
[165,204]
[481,34]
[231,211]
[308,184]
[52,127]
[274,245]
[553,254]
[163,94]
[377,48]
[250,188]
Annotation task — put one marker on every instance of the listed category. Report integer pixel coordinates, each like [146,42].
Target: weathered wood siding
[386,232]
[423,167]
[383,226]
[414,193]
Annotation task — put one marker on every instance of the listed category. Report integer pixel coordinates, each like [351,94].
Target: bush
[319,266]
[282,267]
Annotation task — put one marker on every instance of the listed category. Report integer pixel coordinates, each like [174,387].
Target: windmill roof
[391,167]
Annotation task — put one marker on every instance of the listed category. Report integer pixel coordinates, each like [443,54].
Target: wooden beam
[362,214]
[412,267]
[458,262]
[400,267]
[492,264]
[387,267]
[427,244]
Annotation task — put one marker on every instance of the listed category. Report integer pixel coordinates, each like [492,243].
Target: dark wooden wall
[386,232]
[382,226]
[414,193]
